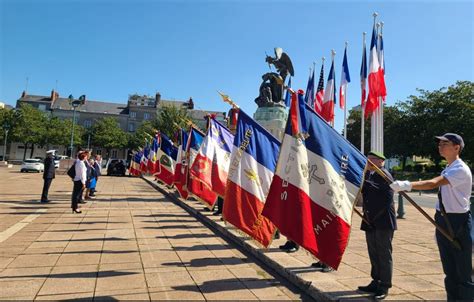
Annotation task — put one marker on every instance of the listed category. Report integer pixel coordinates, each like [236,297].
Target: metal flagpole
[381,99]
[362,116]
[333,54]
[345,102]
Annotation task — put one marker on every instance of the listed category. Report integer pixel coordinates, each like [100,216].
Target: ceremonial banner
[152,157]
[315,185]
[135,164]
[194,185]
[252,164]
[167,155]
[345,79]
[180,171]
[376,78]
[212,161]
[144,159]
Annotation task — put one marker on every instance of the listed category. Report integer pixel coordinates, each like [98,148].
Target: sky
[108,49]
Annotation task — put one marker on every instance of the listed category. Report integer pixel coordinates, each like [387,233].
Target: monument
[271,112]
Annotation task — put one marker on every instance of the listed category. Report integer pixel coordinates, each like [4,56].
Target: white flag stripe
[257,186]
[316,169]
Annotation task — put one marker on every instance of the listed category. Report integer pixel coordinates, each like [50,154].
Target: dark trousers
[76,194]
[457,264]
[46,185]
[379,244]
[220,204]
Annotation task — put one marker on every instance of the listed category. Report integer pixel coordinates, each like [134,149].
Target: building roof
[92,106]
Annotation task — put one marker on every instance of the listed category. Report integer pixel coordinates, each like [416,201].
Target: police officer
[379,225]
[48,174]
[453,214]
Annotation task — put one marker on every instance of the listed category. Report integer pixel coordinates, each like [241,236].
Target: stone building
[138,109]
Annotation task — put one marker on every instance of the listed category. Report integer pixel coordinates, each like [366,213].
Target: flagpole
[333,55]
[362,116]
[345,102]
[381,132]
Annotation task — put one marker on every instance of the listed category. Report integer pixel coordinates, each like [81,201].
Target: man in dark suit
[379,225]
[48,174]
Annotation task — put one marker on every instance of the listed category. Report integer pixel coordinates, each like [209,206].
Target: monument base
[273,119]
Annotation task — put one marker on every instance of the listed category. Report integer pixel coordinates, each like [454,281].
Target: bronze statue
[272,87]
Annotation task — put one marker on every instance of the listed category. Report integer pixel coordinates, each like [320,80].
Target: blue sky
[110,49]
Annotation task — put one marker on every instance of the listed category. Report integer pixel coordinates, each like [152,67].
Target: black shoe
[381,293]
[371,288]
[45,201]
[285,246]
[292,249]
[83,201]
[327,269]
[76,211]
[318,265]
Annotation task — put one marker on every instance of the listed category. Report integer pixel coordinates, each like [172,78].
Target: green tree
[353,129]
[145,131]
[108,134]
[30,127]
[170,118]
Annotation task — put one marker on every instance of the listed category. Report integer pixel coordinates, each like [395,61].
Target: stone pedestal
[273,119]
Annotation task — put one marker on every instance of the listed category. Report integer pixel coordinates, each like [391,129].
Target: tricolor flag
[180,171]
[135,164]
[363,76]
[211,165]
[376,78]
[330,96]
[315,185]
[252,164]
[152,157]
[345,79]
[318,103]
[288,95]
[167,155]
[194,185]
[309,96]
[382,62]
[144,159]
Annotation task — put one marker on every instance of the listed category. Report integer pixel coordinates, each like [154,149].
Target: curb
[293,278]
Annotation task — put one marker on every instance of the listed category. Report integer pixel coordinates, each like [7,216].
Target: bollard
[400,209]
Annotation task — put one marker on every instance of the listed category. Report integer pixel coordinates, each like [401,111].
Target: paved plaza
[138,241]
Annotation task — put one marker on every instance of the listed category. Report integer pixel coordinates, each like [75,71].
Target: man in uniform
[453,214]
[379,225]
[48,174]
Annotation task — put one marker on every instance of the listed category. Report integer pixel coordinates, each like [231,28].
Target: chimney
[53,96]
[157,98]
[23,94]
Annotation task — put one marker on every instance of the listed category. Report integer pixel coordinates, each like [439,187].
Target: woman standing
[79,181]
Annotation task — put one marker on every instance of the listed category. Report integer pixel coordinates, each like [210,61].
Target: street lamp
[75,103]
[6,128]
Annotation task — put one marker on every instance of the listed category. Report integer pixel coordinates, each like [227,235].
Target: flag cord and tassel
[454,241]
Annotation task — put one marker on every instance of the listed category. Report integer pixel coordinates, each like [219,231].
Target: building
[138,109]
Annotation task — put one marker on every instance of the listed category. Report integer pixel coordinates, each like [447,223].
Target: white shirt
[81,171]
[456,194]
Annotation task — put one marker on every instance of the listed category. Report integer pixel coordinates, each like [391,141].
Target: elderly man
[48,174]
[379,225]
[453,214]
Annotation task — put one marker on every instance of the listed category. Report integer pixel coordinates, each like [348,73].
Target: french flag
[211,165]
[144,159]
[315,185]
[167,155]
[179,179]
[152,157]
[382,63]
[135,164]
[329,96]
[252,164]
[345,79]
[194,185]
[376,78]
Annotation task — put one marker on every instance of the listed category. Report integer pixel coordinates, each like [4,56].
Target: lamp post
[74,103]
[6,128]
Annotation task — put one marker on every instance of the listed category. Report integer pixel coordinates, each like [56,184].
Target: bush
[409,168]
[418,168]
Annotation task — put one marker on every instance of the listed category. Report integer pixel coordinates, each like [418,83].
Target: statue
[272,87]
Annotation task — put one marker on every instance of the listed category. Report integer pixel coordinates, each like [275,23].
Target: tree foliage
[170,118]
[107,133]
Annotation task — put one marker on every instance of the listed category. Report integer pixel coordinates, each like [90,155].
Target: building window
[42,107]
[146,116]
[131,127]
[87,123]
[133,114]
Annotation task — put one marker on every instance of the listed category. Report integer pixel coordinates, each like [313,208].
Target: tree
[353,129]
[30,126]
[145,131]
[108,134]
[170,118]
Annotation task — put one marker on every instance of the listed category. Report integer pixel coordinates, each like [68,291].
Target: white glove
[401,185]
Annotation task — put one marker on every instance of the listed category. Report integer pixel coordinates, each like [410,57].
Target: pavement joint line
[20,225]
[307,287]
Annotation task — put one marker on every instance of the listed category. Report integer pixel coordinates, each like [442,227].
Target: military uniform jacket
[49,169]
[378,205]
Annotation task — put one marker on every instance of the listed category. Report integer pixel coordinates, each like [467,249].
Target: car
[116,167]
[58,158]
[32,164]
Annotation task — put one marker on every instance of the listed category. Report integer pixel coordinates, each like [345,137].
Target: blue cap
[452,137]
